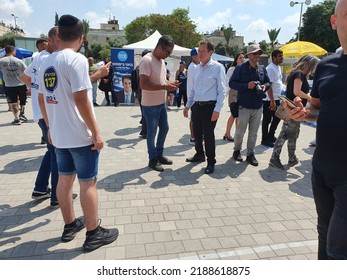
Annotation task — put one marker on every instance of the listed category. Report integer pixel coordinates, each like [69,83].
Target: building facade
[109,30]
[4,29]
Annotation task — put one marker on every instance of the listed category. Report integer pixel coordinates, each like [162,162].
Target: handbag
[282,113]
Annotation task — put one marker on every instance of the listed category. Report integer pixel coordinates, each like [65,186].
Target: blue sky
[250,18]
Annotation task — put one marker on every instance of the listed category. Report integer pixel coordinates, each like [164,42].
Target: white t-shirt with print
[61,75]
[33,72]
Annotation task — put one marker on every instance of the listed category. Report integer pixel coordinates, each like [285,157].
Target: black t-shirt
[290,85]
[329,85]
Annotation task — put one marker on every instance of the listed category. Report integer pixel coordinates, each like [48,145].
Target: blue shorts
[83,161]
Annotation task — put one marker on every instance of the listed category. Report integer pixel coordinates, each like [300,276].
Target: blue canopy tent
[222,58]
[20,53]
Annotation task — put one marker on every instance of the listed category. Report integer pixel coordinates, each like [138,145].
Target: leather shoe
[155,165]
[196,158]
[165,160]
[237,156]
[252,160]
[209,169]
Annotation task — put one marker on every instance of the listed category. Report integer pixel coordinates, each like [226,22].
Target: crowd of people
[254,91]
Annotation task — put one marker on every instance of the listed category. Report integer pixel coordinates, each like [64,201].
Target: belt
[205,103]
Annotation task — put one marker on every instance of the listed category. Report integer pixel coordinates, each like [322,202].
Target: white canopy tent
[150,43]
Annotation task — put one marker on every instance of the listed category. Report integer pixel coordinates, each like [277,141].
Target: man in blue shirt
[251,81]
[206,99]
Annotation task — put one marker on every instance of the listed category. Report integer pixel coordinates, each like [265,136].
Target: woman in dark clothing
[106,85]
[297,85]
[181,76]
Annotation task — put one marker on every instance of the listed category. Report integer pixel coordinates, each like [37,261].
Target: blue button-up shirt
[208,84]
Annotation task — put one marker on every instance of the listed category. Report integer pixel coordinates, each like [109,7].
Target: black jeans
[204,127]
[182,94]
[269,119]
[330,197]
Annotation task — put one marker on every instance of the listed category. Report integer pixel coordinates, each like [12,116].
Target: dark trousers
[204,127]
[330,197]
[143,121]
[182,94]
[269,119]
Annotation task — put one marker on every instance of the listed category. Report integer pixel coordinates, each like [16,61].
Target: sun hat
[253,49]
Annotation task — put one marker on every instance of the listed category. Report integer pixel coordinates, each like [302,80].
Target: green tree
[7,39]
[94,50]
[316,26]
[264,46]
[86,29]
[177,24]
[228,34]
[220,49]
[56,19]
[273,34]
[105,51]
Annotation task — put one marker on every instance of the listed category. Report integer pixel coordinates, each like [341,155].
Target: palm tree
[85,40]
[228,34]
[273,34]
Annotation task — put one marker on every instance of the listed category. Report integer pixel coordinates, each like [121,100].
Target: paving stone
[239,212]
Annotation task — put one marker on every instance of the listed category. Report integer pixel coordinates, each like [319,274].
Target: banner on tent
[123,65]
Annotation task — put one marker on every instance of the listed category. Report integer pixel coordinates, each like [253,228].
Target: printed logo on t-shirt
[51,82]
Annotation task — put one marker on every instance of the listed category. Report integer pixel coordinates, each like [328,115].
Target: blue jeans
[82,161]
[330,197]
[48,166]
[156,116]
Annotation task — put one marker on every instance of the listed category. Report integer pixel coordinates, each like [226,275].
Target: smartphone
[289,102]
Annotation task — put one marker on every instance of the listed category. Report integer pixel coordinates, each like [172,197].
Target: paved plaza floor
[238,212]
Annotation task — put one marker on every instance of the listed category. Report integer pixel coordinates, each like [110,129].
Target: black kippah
[67,20]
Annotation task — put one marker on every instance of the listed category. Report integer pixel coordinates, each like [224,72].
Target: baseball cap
[183,62]
[193,52]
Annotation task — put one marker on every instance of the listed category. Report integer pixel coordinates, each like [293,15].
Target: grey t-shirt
[12,69]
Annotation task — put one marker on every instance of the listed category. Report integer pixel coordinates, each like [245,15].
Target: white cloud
[291,20]
[134,4]
[257,31]
[205,2]
[94,19]
[213,22]
[20,8]
[289,26]
[243,17]
[250,2]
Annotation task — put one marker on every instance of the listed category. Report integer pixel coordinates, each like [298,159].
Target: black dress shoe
[196,158]
[155,165]
[165,160]
[209,169]
[237,156]
[252,160]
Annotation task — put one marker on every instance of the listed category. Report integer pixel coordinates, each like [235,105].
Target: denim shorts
[83,161]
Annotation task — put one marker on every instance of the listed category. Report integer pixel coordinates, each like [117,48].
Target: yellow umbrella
[300,48]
